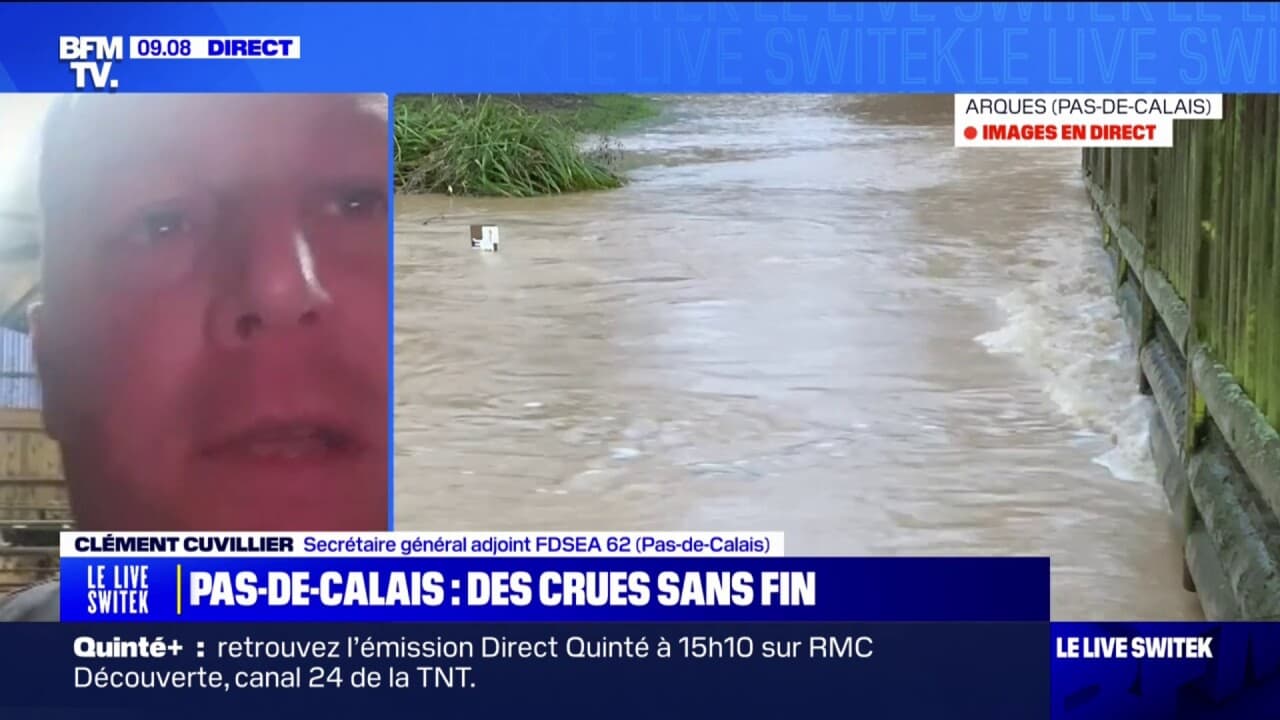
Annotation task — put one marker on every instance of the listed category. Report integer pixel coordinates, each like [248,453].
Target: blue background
[676,47]
[1242,680]
[848,589]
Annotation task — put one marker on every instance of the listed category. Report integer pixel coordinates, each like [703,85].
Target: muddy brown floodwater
[804,313]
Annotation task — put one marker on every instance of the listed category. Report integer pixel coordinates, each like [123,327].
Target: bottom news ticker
[599,624]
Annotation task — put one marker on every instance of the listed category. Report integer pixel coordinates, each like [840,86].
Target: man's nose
[273,287]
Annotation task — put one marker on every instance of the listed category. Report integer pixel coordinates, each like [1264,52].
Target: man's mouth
[285,441]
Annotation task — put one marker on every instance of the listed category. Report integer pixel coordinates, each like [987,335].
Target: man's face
[213,338]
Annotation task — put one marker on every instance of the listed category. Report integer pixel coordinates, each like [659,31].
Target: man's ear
[44,369]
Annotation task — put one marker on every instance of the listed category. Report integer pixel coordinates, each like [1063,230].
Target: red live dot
[970,133]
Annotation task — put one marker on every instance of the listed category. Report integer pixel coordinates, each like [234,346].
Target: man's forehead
[114,134]
[122,120]
[95,108]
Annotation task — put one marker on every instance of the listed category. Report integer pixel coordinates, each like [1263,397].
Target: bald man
[212,339]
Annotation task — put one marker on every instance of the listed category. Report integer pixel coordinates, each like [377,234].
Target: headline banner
[297,589]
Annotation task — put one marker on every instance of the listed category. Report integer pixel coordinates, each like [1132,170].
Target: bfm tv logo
[91,58]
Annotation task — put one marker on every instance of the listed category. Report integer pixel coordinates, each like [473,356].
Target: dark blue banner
[576,669]
[298,589]
[1134,671]
[659,47]
[901,671]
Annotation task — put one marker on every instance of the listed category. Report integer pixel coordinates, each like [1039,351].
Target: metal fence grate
[19,385]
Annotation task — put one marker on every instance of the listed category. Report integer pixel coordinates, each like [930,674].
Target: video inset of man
[211,335]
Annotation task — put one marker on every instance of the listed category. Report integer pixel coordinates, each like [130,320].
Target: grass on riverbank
[592,114]
[513,146]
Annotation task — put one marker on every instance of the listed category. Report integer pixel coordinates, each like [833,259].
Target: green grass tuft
[492,146]
[595,114]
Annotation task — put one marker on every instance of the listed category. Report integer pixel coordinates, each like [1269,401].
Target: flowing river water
[804,313]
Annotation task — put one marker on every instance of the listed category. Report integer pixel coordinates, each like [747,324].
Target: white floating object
[485,237]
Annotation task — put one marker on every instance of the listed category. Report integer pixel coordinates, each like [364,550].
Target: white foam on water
[1063,320]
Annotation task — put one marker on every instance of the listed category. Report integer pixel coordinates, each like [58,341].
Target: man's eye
[170,222]
[356,203]
[159,243]
[157,227]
